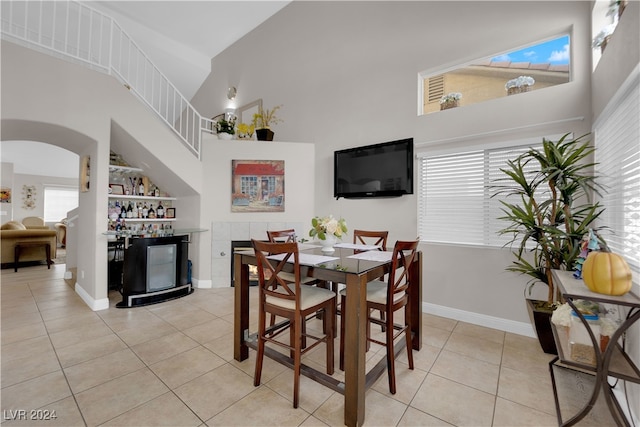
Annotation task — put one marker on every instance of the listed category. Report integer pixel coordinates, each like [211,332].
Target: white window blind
[617,141]
[454,196]
[58,201]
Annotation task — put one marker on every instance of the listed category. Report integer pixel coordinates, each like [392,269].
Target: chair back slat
[371,238]
[276,236]
[404,253]
[269,280]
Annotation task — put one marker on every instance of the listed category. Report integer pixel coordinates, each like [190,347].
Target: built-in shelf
[130,197]
[123,169]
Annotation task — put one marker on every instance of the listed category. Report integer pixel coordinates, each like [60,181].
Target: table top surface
[343,259]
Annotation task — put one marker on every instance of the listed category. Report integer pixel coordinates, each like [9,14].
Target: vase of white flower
[328,230]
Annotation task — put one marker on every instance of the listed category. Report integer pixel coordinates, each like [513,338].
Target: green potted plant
[548,209]
[263,120]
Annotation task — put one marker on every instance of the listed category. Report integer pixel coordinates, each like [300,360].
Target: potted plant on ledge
[547,205]
[262,122]
[226,128]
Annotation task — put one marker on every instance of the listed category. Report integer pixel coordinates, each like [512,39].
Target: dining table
[354,266]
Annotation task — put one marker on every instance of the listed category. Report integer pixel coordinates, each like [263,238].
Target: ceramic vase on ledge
[328,243]
[264,134]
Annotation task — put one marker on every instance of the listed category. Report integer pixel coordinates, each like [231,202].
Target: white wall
[299,164]
[346,74]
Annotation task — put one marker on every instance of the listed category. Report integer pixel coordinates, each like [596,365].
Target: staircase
[79,33]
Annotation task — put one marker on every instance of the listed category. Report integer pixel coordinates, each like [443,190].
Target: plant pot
[264,134]
[224,135]
[448,104]
[540,316]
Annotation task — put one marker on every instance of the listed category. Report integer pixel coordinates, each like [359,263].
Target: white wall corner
[95,305]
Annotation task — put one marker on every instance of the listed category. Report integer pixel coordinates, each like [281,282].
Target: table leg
[355,352]
[47,249]
[16,257]
[241,308]
[415,299]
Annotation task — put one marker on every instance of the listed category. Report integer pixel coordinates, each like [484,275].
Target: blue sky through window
[554,51]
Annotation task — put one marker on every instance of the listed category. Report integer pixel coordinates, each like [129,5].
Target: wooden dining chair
[389,296]
[371,238]
[294,302]
[378,238]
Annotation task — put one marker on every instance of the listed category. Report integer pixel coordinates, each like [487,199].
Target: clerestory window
[534,67]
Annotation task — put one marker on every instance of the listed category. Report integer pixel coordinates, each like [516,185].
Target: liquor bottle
[139,209]
[145,211]
[152,212]
[140,187]
[123,210]
[130,210]
[156,192]
[160,210]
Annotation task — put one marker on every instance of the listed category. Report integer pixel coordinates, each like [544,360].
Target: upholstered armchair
[34,223]
[61,230]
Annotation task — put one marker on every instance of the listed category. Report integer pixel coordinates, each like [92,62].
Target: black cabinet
[155,269]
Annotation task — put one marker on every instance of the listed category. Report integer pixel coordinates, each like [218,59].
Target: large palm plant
[553,186]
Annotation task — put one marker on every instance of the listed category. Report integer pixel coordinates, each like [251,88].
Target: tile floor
[171,364]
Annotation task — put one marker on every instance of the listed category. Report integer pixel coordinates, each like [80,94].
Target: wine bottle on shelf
[139,210]
[152,212]
[123,210]
[130,210]
[160,210]
[156,192]
[145,211]
[140,187]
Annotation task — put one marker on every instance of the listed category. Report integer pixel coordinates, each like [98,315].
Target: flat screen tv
[379,170]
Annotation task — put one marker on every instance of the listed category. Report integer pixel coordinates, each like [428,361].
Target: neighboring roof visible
[541,66]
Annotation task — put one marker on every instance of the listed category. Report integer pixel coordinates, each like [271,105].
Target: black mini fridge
[155,269]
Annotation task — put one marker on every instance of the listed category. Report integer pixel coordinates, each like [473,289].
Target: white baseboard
[95,305]
[201,284]
[519,328]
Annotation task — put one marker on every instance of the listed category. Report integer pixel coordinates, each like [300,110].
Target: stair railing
[77,32]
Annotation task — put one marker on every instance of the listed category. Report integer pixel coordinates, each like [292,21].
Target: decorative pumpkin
[606,273]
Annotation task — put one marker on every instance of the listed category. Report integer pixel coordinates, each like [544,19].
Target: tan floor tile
[529,389]
[35,393]
[312,394]
[77,320]
[213,392]
[525,354]
[435,337]
[102,369]
[183,315]
[262,406]
[433,321]
[23,332]
[426,357]
[331,412]
[511,414]
[147,332]
[478,331]
[164,347]
[184,367]
[467,370]
[407,382]
[475,347]
[79,334]
[27,359]
[90,349]
[222,346]
[166,410]
[20,319]
[454,403]
[210,330]
[414,418]
[63,413]
[109,400]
